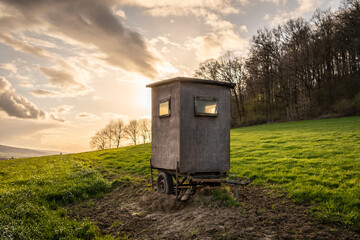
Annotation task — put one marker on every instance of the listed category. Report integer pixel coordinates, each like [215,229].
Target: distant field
[315,162]
[7,152]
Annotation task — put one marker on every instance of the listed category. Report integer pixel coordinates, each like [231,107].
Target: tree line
[298,70]
[118,131]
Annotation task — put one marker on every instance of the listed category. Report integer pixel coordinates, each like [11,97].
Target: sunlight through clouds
[67,66]
[82,22]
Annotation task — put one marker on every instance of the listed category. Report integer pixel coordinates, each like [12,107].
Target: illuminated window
[206,106]
[164,108]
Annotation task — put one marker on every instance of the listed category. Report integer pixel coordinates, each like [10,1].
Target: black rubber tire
[165,183]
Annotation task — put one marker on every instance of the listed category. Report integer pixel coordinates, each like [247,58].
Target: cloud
[63,109]
[304,7]
[120,13]
[67,77]
[56,118]
[222,37]
[20,46]
[243,28]
[63,79]
[96,98]
[215,21]
[13,69]
[43,93]
[26,84]
[164,40]
[276,2]
[14,131]
[91,23]
[214,45]
[87,116]
[15,105]
[36,40]
[9,66]
[185,7]
[113,116]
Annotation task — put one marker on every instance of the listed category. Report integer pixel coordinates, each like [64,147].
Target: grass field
[316,162]
[33,191]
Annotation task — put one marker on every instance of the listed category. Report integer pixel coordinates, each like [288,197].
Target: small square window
[205,106]
[164,108]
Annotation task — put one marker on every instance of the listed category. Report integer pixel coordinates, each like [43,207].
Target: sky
[68,67]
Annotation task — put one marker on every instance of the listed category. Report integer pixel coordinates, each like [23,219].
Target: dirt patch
[154,202]
[264,214]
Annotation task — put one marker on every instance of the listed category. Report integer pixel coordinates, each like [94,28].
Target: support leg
[151,174]
[236,190]
[177,183]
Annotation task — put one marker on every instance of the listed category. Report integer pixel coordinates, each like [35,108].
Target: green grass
[124,164]
[33,192]
[316,162]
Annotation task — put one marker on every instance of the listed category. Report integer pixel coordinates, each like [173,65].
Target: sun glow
[144,95]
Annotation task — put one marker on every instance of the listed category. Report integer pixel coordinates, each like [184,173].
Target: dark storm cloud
[15,105]
[87,21]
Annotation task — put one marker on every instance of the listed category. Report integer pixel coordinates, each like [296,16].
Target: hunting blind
[190,130]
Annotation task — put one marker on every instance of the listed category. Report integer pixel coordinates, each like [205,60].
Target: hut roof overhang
[190,80]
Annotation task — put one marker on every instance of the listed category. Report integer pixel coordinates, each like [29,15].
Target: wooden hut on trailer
[190,130]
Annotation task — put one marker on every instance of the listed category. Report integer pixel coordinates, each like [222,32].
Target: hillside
[7,152]
[305,185]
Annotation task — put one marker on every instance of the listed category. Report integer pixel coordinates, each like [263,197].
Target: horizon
[68,68]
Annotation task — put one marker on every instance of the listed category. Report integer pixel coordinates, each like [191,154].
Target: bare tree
[132,130]
[145,129]
[99,140]
[209,69]
[228,68]
[232,70]
[109,132]
[118,131]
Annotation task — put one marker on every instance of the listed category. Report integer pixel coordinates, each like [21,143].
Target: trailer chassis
[186,184]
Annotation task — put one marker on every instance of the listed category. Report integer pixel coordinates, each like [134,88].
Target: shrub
[344,107]
[356,103]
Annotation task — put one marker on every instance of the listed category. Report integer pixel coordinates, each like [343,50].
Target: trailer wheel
[165,183]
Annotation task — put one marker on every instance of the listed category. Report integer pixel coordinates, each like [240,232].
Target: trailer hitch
[243,181]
